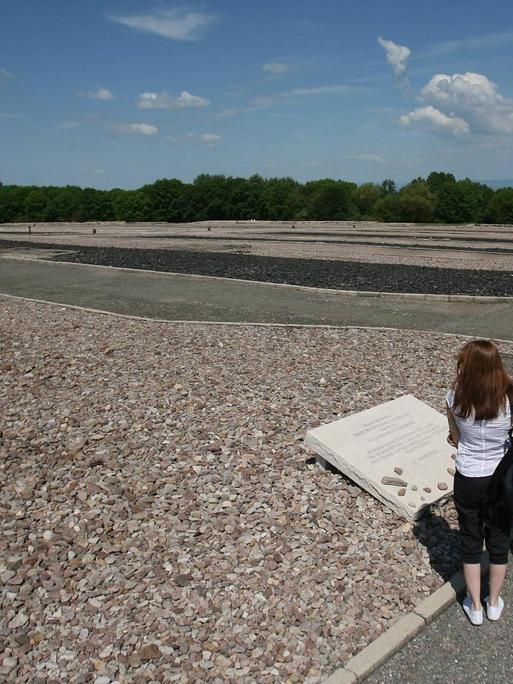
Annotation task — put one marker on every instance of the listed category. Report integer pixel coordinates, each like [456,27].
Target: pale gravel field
[293,245]
[160,519]
[369,254]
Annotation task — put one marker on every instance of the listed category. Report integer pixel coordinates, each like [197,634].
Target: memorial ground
[163,521]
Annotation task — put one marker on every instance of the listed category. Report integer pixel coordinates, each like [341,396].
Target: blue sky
[118,93]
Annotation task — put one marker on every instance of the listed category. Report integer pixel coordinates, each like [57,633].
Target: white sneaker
[475,616]
[494,612]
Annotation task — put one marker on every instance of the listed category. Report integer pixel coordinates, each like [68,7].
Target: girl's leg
[468,495]
[497,542]
[497,577]
[472,574]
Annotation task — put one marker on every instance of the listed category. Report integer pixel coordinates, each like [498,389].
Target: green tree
[500,207]
[282,199]
[415,203]
[12,203]
[440,197]
[330,200]
[438,181]
[167,198]
[388,187]
[35,205]
[365,197]
[130,205]
[462,201]
[248,198]
[95,205]
[64,203]
[210,198]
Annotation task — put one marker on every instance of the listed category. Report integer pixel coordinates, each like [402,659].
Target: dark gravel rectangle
[338,275]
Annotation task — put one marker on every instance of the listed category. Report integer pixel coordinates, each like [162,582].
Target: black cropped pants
[469,498]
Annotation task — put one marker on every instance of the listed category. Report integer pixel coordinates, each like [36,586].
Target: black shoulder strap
[504,463]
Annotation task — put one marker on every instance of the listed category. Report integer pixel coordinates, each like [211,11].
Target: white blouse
[482,443]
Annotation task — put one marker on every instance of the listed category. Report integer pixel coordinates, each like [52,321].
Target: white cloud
[275,67]
[270,100]
[487,40]
[473,88]
[165,101]
[366,157]
[4,75]
[177,23]
[380,110]
[319,90]
[396,55]
[142,128]
[232,111]
[266,101]
[433,119]
[93,172]
[473,97]
[462,104]
[209,139]
[261,102]
[66,125]
[97,94]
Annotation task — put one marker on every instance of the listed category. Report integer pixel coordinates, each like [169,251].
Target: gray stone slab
[403,439]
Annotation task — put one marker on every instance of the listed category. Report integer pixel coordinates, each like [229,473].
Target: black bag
[500,489]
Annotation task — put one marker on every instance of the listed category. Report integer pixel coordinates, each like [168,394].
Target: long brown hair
[481,385]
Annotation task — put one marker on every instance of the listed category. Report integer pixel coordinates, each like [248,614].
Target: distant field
[466,246]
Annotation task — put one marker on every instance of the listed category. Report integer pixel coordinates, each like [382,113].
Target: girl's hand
[451,441]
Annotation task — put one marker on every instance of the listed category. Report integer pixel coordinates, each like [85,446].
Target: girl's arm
[454,434]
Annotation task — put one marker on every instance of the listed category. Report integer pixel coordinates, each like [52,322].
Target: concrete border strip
[480,299]
[248,324]
[364,663]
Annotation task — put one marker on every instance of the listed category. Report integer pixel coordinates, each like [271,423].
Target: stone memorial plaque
[397,451]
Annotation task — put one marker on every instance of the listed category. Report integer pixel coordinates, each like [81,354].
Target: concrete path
[183,297]
[451,650]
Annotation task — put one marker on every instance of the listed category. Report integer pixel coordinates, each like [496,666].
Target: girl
[479,414]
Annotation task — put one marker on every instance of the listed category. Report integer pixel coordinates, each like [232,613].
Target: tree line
[437,198]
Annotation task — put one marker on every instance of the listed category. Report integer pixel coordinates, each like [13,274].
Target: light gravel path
[159,517]
[423,245]
[183,297]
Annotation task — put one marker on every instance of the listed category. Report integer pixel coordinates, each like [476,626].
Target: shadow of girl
[441,541]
